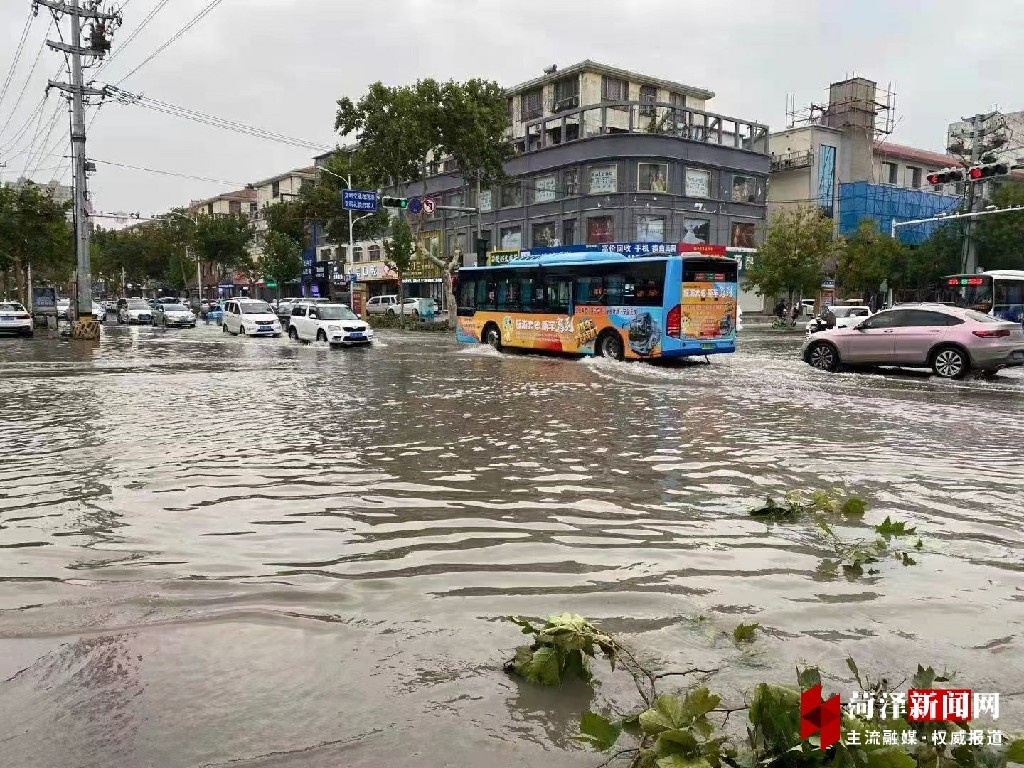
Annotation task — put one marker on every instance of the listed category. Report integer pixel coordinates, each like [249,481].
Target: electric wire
[17,55]
[142,24]
[28,78]
[170,173]
[195,20]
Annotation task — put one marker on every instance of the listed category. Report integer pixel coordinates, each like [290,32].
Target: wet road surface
[218,551]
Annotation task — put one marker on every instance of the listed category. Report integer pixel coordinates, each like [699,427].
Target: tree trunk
[19,276]
[401,299]
[450,293]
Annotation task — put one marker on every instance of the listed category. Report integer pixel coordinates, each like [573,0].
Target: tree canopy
[793,258]
[33,230]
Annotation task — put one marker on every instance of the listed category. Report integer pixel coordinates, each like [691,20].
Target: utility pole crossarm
[84,90]
[74,10]
[65,48]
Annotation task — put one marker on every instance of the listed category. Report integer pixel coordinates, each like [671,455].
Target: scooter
[816,325]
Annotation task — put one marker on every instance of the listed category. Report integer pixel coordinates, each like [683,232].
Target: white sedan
[14,318]
[333,323]
[173,315]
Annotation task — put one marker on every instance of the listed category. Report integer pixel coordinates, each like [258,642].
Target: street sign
[415,204]
[352,277]
[358,200]
[827,283]
[429,205]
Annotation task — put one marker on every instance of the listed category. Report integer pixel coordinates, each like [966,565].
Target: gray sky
[281,64]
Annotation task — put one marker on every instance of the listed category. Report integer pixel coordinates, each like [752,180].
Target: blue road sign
[358,200]
[352,277]
[415,205]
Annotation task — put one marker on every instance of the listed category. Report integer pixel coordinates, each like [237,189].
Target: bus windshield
[970,291]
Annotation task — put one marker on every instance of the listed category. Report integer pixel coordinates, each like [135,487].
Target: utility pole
[84,326]
[975,194]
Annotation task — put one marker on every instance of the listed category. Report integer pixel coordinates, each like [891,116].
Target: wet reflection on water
[217,549]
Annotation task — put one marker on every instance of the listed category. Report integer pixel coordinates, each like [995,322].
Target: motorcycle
[816,325]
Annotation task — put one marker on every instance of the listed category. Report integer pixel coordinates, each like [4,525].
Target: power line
[142,24]
[171,173]
[24,86]
[17,54]
[195,20]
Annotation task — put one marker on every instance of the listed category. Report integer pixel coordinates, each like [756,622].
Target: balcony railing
[792,160]
[658,118]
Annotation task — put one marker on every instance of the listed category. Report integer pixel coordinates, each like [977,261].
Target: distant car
[135,311]
[214,313]
[64,308]
[411,306]
[99,311]
[846,316]
[949,340]
[14,318]
[250,317]
[333,323]
[807,307]
[382,305]
[173,316]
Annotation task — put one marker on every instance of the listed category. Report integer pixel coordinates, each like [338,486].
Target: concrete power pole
[975,196]
[85,325]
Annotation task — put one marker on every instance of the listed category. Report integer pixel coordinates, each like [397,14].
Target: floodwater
[246,552]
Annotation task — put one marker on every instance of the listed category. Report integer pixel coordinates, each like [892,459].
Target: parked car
[14,318]
[99,311]
[173,316]
[250,317]
[949,340]
[411,306]
[135,311]
[333,323]
[846,316]
[382,305]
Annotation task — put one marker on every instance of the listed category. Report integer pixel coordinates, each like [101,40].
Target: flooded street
[218,551]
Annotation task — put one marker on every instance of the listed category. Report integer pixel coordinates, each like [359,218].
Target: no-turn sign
[429,206]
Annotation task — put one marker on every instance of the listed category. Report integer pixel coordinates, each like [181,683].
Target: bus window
[467,293]
[526,292]
[590,290]
[644,284]
[557,293]
[486,292]
[1009,297]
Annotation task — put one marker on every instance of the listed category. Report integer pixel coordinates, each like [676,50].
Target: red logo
[817,716]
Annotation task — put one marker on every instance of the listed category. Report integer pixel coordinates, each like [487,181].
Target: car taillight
[673,322]
[992,334]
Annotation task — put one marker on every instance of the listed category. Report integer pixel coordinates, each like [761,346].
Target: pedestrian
[780,308]
[829,317]
[795,312]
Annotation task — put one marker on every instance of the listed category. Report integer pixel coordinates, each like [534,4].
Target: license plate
[357,336]
[6,319]
[266,328]
[706,345]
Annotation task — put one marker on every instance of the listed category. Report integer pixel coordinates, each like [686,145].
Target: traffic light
[394,202]
[979,172]
[947,176]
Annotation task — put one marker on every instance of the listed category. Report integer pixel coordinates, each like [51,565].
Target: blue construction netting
[881,203]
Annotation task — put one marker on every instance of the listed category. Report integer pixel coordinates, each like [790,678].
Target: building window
[533,104]
[209,209]
[744,189]
[275,189]
[650,229]
[373,253]
[648,96]
[571,181]
[698,183]
[677,100]
[545,189]
[652,177]
[357,254]
[512,195]
[511,109]
[696,231]
[455,199]
[600,229]
[569,232]
[544,235]
[235,207]
[511,238]
[614,89]
[603,180]
[742,235]
[913,177]
[566,94]
[889,171]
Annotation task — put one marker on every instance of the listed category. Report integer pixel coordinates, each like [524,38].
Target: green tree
[1000,237]
[224,241]
[288,218]
[282,259]
[33,230]
[793,258]
[869,259]
[398,252]
[402,129]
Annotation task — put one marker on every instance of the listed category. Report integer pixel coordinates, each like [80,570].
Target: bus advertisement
[602,303]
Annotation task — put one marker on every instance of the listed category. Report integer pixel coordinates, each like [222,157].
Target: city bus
[998,292]
[602,303]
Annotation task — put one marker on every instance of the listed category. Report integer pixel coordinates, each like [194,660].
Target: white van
[250,317]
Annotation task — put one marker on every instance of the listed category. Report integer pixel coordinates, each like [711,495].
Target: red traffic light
[933,179]
[991,169]
[975,173]
[946,176]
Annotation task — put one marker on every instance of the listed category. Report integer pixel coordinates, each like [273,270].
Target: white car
[64,309]
[847,316]
[250,317]
[14,318]
[173,316]
[135,311]
[99,311]
[411,306]
[382,305]
[333,323]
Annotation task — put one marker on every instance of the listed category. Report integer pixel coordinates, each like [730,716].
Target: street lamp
[351,226]
[199,271]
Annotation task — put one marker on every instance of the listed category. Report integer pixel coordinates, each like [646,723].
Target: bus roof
[569,259]
[1012,273]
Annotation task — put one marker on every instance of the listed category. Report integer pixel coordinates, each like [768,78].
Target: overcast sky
[281,64]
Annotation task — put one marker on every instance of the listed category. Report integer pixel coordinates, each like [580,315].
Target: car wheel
[292,333]
[950,363]
[609,344]
[391,312]
[320,335]
[823,356]
[492,336]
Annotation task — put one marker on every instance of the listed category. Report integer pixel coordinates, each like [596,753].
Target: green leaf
[856,672]
[539,666]
[598,731]
[908,560]
[677,741]
[808,678]
[854,507]
[890,758]
[744,633]
[889,528]
[668,712]
[919,545]
[678,761]
[528,628]
[924,677]
[1015,751]
[699,702]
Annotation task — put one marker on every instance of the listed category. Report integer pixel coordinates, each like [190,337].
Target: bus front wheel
[492,336]
[609,344]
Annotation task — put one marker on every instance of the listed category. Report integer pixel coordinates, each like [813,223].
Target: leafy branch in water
[675,730]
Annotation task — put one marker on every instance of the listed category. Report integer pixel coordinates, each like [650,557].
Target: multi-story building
[1002,134]
[216,280]
[838,161]
[606,155]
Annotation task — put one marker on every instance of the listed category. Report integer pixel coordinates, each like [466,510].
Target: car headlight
[333,327]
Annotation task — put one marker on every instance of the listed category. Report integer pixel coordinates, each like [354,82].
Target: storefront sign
[503,256]
[702,248]
[604,180]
